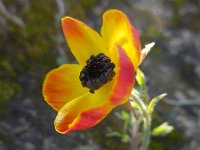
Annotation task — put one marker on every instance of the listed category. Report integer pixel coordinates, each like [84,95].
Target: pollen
[98,71]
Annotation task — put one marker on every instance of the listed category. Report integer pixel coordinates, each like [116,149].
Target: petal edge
[125,79]
[82,40]
[84,112]
[118,30]
[59,88]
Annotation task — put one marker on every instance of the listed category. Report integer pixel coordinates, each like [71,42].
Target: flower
[85,93]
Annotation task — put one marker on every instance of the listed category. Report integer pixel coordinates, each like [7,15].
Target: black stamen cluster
[98,71]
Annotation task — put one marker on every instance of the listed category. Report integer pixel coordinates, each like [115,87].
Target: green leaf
[112,133]
[162,130]
[154,101]
[140,78]
[125,115]
[125,138]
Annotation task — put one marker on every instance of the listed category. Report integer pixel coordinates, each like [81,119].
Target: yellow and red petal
[124,80]
[82,40]
[62,85]
[88,110]
[118,30]
[84,112]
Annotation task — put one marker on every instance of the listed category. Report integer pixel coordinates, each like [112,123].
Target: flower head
[84,93]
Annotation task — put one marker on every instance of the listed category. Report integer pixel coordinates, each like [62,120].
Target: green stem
[125,126]
[144,94]
[146,121]
[146,133]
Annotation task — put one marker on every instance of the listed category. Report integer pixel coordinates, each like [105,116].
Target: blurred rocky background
[32,43]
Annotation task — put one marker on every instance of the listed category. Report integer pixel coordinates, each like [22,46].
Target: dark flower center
[98,71]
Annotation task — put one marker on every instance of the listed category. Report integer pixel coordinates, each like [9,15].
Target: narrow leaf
[154,101]
[162,130]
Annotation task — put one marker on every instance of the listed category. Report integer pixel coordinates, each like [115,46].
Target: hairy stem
[146,121]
